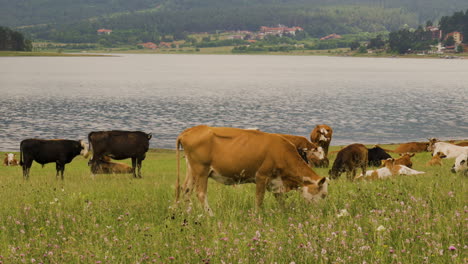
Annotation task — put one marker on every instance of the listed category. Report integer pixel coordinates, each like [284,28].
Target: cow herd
[275,162]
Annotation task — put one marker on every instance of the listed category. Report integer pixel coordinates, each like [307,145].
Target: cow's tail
[21,154]
[178,144]
[387,150]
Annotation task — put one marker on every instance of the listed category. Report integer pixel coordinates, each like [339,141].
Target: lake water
[364,100]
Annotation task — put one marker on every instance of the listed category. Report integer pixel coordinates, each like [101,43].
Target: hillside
[149,20]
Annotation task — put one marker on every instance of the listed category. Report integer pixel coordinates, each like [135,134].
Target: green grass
[44,54]
[117,219]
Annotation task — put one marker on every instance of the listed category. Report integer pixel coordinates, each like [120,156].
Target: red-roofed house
[148,45]
[280,30]
[164,44]
[104,31]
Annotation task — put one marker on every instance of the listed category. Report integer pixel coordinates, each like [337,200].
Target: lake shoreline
[115,53]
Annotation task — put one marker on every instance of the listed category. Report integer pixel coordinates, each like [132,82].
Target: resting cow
[405,159]
[376,155]
[310,152]
[412,147]
[389,169]
[348,160]
[106,166]
[322,136]
[120,145]
[60,151]
[10,160]
[450,150]
[236,156]
[436,159]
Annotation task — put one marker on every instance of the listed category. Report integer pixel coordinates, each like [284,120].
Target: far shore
[227,51]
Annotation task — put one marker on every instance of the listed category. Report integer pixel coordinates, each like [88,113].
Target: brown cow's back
[412,147]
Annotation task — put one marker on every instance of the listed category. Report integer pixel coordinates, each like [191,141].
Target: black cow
[119,145]
[376,155]
[60,151]
[348,160]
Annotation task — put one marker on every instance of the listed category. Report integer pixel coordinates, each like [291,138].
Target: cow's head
[460,164]
[314,190]
[335,172]
[324,134]
[388,163]
[10,157]
[440,155]
[430,145]
[84,149]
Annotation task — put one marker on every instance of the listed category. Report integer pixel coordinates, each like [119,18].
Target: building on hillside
[280,30]
[457,37]
[436,33]
[164,44]
[103,31]
[331,36]
[148,45]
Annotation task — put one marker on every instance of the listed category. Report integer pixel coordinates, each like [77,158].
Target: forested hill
[148,20]
[30,12]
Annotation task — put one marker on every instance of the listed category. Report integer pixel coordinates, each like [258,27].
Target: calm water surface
[364,100]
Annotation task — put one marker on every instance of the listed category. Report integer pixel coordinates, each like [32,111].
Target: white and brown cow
[322,136]
[236,156]
[450,150]
[10,160]
[389,169]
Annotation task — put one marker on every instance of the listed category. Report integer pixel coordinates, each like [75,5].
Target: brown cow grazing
[310,152]
[348,160]
[10,160]
[405,159]
[235,156]
[322,136]
[106,166]
[436,159]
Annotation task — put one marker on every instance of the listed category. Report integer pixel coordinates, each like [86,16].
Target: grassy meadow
[118,219]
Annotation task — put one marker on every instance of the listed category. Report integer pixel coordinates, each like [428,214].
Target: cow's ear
[412,154]
[322,182]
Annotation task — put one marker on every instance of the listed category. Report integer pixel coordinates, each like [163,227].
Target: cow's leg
[364,168]
[26,168]
[134,163]
[261,184]
[189,181]
[200,174]
[60,168]
[139,167]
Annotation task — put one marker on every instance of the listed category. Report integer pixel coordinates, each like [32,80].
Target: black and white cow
[60,151]
[119,145]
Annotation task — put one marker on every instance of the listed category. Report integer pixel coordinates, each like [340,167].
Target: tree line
[406,40]
[13,40]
